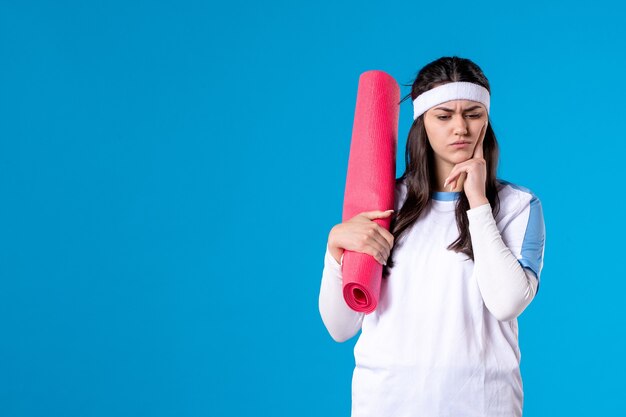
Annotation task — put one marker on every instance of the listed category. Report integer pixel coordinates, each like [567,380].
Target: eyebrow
[450,110]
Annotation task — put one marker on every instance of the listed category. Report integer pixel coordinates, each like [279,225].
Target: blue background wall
[169,173]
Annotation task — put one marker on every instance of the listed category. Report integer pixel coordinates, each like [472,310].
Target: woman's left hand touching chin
[471,175]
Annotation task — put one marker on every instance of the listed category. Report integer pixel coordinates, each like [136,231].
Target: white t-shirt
[432,347]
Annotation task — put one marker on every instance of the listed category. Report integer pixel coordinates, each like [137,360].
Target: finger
[377,251]
[381,247]
[460,181]
[453,184]
[387,235]
[450,180]
[376,214]
[478,150]
[452,176]
[375,244]
[461,171]
[382,235]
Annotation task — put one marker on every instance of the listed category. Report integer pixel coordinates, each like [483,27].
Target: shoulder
[515,198]
[515,192]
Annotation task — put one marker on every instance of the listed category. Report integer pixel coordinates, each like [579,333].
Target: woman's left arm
[507,284]
[506,287]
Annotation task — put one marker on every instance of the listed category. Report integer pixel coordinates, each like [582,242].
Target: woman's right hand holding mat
[362,234]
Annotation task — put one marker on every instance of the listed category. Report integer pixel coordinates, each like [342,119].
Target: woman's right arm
[359,234]
[340,320]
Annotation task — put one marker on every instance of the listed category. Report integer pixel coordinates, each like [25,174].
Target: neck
[442,170]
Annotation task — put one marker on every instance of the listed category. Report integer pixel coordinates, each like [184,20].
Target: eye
[471,116]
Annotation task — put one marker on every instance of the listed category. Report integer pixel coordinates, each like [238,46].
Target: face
[454,121]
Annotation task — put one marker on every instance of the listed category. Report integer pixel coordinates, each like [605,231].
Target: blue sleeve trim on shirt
[534,237]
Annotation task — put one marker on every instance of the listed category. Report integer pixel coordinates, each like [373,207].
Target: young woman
[467,253]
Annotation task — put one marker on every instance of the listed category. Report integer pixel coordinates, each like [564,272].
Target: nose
[460,126]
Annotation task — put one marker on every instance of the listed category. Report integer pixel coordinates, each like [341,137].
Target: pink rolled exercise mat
[370,181]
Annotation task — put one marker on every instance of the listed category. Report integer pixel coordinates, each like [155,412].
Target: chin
[460,157]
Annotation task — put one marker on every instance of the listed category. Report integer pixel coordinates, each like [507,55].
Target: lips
[462,142]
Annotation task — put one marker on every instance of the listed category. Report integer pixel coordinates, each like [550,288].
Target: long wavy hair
[419,173]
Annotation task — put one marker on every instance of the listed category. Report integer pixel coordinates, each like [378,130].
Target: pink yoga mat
[370,181]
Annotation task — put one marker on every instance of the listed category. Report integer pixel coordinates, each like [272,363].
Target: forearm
[340,320]
[506,287]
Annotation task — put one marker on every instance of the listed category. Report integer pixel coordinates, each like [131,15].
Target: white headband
[459,90]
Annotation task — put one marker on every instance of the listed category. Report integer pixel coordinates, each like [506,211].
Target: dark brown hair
[419,174]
